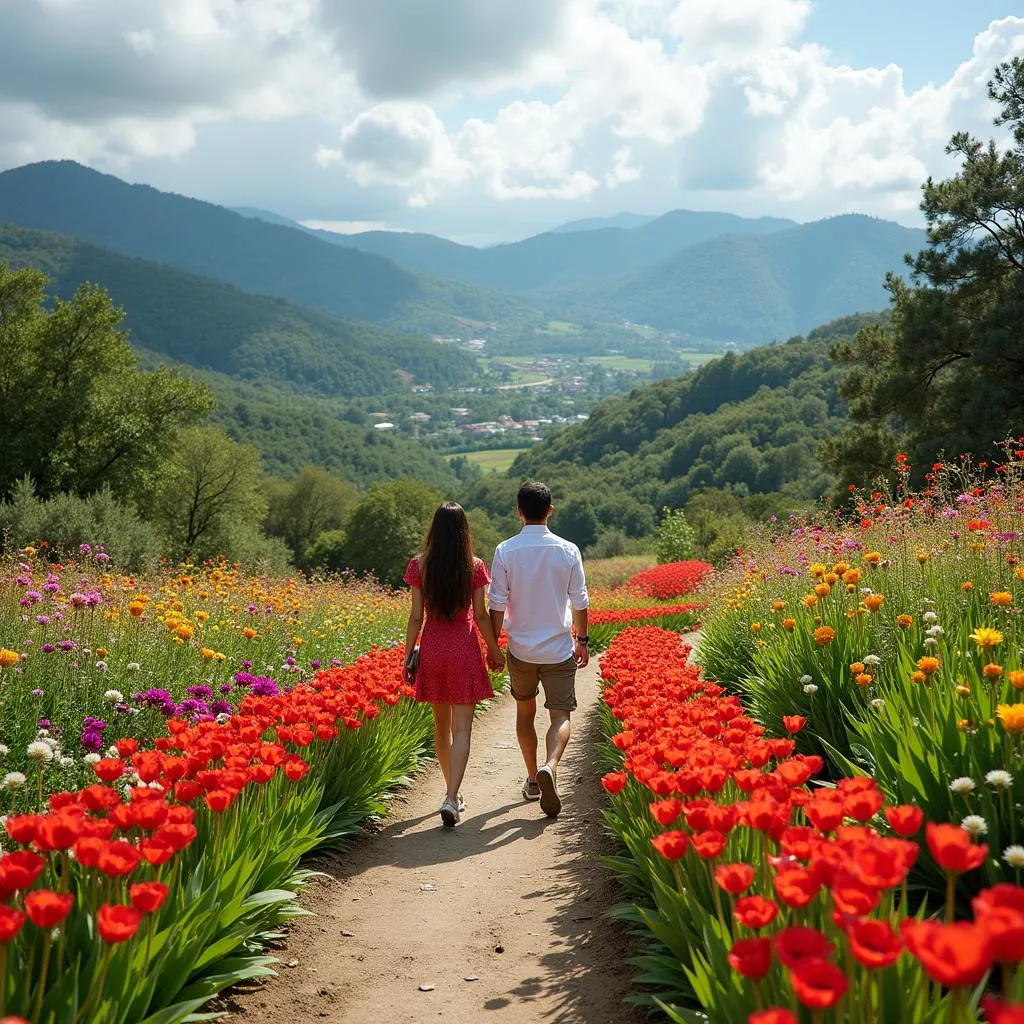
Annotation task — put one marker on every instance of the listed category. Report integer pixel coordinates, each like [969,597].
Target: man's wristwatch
[585,640]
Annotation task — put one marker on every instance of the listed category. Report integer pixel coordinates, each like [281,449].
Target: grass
[493,460]
[623,363]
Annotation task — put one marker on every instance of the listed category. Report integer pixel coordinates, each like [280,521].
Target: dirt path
[509,899]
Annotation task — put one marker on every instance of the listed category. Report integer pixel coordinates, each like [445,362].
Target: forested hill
[139,221]
[213,326]
[748,423]
[746,289]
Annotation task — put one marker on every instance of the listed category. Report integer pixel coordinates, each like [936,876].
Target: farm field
[493,460]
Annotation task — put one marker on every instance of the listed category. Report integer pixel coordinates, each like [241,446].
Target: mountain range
[711,276]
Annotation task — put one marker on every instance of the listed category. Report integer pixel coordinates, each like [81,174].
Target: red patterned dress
[451,669]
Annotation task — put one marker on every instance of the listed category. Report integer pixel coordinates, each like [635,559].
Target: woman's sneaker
[449,814]
[531,791]
[550,803]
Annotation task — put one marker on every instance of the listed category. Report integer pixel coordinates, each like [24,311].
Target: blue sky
[484,120]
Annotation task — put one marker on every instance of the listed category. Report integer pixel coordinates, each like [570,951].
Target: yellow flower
[207,653]
[1012,717]
[992,671]
[963,691]
[1016,679]
[136,608]
[840,567]
[756,627]
[831,578]
[789,624]
[817,569]
[904,621]
[986,638]
[928,665]
[1019,572]
[873,557]
[184,631]
[202,616]
[851,577]
[1001,598]
[777,606]
[824,635]
[8,657]
[873,602]
[810,600]
[922,557]
[822,590]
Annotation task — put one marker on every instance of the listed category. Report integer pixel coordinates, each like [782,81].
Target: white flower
[39,751]
[872,660]
[101,665]
[4,750]
[930,641]
[974,825]
[962,786]
[132,666]
[878,703]
[805,680]
[133,779]
[91,759]
[998,779]
[42,734]
[223,717]
[112,751]
[930,617]
[1014,856]
[66,762]
[935,631]
[810,688]
[114,697]
[13,780]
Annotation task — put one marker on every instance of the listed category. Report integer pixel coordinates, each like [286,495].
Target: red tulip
[117,923]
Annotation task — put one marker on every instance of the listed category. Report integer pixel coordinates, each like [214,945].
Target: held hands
[581,653]
[495,661]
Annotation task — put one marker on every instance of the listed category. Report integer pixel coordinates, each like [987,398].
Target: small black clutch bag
[413,664]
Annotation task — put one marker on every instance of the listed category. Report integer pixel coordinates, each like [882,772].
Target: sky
[490,120]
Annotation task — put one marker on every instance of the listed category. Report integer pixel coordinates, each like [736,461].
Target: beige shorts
[559,682]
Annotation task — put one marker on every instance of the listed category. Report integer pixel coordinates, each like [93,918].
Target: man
[539,592]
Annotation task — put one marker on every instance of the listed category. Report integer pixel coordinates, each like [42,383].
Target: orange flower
[918,677]
[1001,598]
[824,635]
[1016,679]
[810,600]
[864,679]
[967,586]
[857,667]
[904,621]
[928,665]
[873,557]
[136,608]
[873,602]
[248,632]
[992,671]
[822,590]
[790,624]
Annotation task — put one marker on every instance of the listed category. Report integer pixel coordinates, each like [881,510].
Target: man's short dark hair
[534,500]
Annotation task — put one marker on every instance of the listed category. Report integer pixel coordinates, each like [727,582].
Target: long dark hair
[447,567]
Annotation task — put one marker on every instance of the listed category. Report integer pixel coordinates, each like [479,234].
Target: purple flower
[77,600]
[33,596]
[43,620]
[225,687]
[220,707]
[37,693]
[92,741]
[201,692]
[336,662]
[47,648]
[264,687]
[51,586]
[44,723]
[93,598]
[23,581]
[314,665]
[247,665]
[85,548]
[67,645]
[102,556]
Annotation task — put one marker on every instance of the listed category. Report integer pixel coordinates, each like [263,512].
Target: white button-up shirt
[537,580]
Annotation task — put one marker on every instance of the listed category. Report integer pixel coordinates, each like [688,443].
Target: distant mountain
[746,289]
[618,220]
[556,258]
[271,259]
[212,326]
[255,213]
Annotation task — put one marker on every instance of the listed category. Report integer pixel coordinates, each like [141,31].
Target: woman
[449,583]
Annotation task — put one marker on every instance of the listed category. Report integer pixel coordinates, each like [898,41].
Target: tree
[386,528]
[76,413]
[314,502]
[946,373]
[209,488]
[675,540]
[577,521]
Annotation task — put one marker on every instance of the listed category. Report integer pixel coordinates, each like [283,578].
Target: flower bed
[137,898]
[607,623]
[674,579]
[897,636]
[89,657]
[772,899]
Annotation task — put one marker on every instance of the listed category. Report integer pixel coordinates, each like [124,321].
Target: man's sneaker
[531,791]
[550,803]
[449,814]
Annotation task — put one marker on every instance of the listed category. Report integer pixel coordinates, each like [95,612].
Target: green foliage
[945,376]
[67,521]
[75,412]
[387,527]
[300,511]
[577,522]
[213,326]
[138,221]
[676,539]
[209,496]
